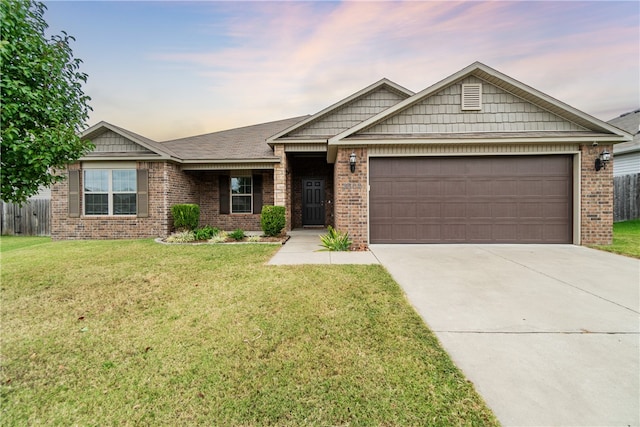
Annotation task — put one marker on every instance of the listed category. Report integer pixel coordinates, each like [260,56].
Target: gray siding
[111,142]
[501,112]
[625,164]
[351,114]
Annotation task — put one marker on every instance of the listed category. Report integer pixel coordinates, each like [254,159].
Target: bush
[205,233]
[219,237]
[272,220]
[237,234]
[335,241]
[185,216]
[182,237]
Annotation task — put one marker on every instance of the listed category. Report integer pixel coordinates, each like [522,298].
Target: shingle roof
[629,122]
[247,142]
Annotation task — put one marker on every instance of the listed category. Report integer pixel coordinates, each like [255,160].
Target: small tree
[43,105]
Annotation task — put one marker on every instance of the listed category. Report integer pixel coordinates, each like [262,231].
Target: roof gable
[113,141]
[441,102]
[441,112]
[346,113]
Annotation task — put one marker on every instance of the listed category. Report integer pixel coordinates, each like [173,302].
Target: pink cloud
[293,58]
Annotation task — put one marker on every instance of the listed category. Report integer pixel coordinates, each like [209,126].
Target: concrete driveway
[549,334]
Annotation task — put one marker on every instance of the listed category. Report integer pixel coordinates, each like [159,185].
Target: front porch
[310,186]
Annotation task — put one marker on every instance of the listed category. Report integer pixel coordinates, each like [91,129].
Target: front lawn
[138,333]
[626,239]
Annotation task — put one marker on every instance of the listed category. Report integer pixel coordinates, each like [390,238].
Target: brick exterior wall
[168,185]
[157,224]
[310,167]
[596,213]
[208,188]
[351,196]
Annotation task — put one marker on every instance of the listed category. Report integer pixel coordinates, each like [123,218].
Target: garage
[471,199]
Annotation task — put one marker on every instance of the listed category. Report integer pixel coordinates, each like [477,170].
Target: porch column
[596,197]
[281,196]
[351,196]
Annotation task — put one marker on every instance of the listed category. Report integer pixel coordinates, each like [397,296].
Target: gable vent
[472,96]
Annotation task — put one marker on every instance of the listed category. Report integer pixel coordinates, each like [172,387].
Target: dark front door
[313,202]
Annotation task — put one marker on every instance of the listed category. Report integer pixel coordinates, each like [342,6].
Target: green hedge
[272,220]
[185,216]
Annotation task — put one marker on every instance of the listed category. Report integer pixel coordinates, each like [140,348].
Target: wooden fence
[626,197]
[31,219]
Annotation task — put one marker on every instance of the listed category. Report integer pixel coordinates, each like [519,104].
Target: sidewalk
[303,247]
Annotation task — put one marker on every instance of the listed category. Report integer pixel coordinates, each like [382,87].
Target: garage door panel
[454,210]
[454,187]
[504,187]
[530,210]
[404,210]
[427,210]
[557,210]
[501,199]
[479,210]
[429,188]
[481,187]
[504,210]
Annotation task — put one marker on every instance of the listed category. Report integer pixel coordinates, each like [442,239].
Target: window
[241,194]
[110,191]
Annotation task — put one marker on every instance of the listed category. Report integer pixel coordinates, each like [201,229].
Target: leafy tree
[43,106]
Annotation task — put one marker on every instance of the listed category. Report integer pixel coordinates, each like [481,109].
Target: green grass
[9,243]
[137,333]
[626,239]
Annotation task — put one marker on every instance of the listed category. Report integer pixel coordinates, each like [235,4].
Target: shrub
[219,237]
[181,237]
[237,234]
[254,239]
[185,216]
[335,241]
[272,220]
[206,232]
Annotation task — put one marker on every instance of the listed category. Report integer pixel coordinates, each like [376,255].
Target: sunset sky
[172,69]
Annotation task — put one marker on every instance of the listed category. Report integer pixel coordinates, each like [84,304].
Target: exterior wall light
[602,160]
[352,162]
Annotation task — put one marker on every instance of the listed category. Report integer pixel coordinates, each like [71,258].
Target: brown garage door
[502,199]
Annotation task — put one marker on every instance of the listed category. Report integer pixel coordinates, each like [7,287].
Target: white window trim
[231,195]
[109,193]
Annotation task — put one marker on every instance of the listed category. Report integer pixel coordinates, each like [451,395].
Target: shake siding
[111,142]
[351,114]
[501,112]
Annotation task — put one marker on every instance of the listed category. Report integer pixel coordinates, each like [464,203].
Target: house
[478,157]
[626,169]
[627,154]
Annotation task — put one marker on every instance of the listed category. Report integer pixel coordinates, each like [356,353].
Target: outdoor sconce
[601,161]
[352,162]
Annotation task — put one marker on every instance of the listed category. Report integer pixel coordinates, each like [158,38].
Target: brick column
[282,184]
[596,197]
[350,196]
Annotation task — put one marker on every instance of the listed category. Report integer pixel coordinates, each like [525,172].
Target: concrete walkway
[303,247]
[548,334]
